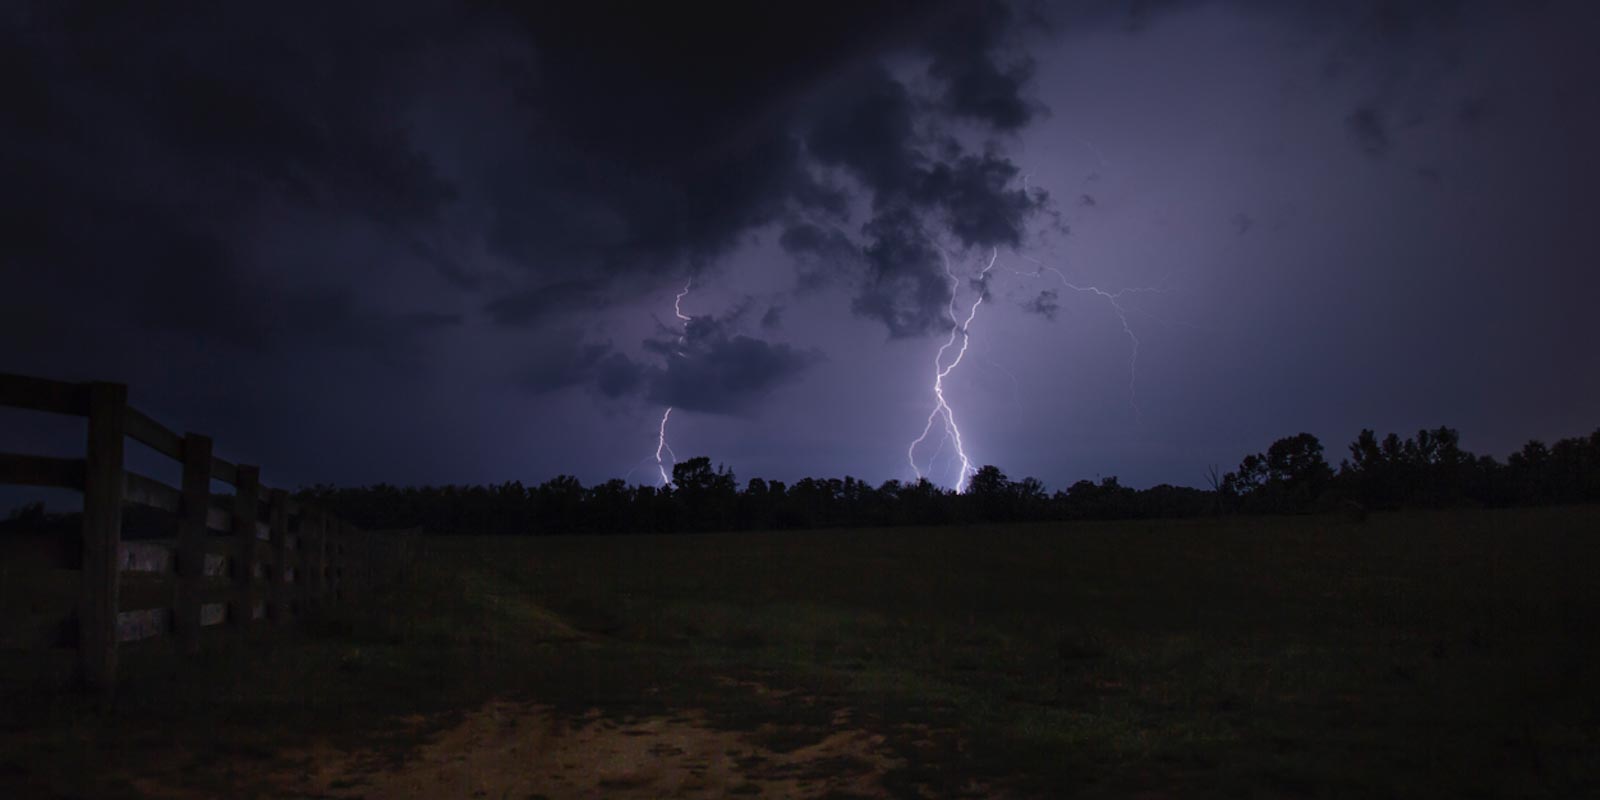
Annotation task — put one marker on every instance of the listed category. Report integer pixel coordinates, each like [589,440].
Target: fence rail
[257,557]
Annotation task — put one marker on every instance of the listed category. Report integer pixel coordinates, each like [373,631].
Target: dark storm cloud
[562,359]
[447,266]
[260,104]
[727,376]
[1046,304]
[905,290]
[1395,52]
[906,287]
[555,365]
[617,376]
[983,79]
[540,303]
[587,145]
[772,319]
[142,162]
[868,126]
[1403,20]
[258,318]
[1472,111]
[1367,128]
[723,154]
[278,217]
[634,147]
[920,186]
[304,196]
[714,368]
[662,139]
[979,207]
[1138,14]
[709,366]
[822,255]
[568,206]
[807,240]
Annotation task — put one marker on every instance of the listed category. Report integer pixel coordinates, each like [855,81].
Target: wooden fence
[257,557]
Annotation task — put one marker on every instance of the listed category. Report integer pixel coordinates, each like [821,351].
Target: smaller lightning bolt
[1114,300]
[1016,386]
[941,407]
[661,433]
[677,304]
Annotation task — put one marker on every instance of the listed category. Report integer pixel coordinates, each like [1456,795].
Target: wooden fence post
[341,561]
[278,576]
[367,572]
[102,535]
[333,562]
[246,513]
[364,553]
[192,540]
[319,559]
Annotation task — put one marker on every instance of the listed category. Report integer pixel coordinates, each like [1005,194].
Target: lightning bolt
[677,306]
[661,444]
[661,432]
[959,329]
[1114,300]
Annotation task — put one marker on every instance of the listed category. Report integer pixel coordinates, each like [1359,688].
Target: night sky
[441,243]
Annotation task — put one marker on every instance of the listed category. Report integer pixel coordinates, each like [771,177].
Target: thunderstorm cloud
[714,368]
[331,221]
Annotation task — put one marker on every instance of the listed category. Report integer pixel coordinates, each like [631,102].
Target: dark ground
[1419,654]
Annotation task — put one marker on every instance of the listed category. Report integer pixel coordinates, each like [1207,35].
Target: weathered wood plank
[219,519]
[335,560]
[149,555]
[193,561]
[143,624]
[102,533]
[278,529]
[216,565]
[224,471]
[246,517]
[150,492]
[25,470]
[143,429]
[213,614]
[314,527]
[43,394]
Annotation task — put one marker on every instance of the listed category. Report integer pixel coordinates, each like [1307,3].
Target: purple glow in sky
[430,246]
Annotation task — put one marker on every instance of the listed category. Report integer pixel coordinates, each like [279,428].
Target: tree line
[1427,470]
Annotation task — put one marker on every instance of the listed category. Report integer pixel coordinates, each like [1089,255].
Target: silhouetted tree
[707,496]
[1428,469]
[1290,477]
[990,490]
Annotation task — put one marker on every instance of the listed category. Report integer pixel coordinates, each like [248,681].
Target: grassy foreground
[1440,654]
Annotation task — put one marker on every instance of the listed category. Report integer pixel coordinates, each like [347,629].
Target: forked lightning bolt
[661,433]
[959,328]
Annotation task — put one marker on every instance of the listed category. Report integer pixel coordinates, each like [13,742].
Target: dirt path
[523,751]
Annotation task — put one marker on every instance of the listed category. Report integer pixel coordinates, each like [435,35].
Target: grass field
[1438,654]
